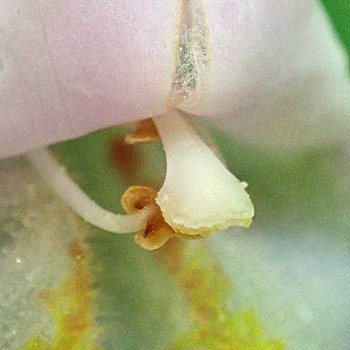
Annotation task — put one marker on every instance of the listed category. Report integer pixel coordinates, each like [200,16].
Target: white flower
[272,70]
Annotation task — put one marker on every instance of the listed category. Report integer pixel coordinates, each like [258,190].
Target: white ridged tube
[199,194]
[84,206]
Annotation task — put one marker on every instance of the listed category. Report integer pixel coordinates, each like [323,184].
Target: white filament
[84,206]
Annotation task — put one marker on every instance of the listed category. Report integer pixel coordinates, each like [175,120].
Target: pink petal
[277,76]
[71,67]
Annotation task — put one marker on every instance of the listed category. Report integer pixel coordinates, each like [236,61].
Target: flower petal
[279,75]
[73,67]
[275,67]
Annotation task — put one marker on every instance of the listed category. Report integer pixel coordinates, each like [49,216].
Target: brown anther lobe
[139,206]
[137,197]
[157,231]
[145,132]
[149,230]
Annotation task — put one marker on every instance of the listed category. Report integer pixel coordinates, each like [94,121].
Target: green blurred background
[339,12]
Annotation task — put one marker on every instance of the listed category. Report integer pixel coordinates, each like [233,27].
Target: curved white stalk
[70,192]
[199,194]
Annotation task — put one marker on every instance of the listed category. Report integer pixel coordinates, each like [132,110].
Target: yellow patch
[70,307]
[215,327]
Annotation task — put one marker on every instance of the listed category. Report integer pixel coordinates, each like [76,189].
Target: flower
[276,75]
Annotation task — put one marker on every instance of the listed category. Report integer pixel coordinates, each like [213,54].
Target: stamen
[157,231]
[70,192]
[145,132]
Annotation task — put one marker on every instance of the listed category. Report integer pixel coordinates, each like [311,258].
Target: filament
[84,206]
